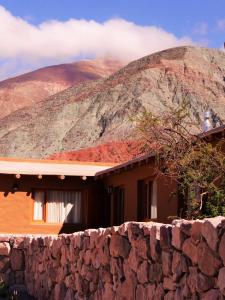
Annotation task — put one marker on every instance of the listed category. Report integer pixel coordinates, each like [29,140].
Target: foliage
[197,165]
[4,290]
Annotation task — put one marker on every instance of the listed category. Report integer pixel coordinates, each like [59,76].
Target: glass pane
[39,198]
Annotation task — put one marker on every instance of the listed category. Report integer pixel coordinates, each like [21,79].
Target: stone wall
[185,260]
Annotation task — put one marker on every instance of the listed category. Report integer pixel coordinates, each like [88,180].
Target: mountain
[104,110]
[111,152]
[32,87]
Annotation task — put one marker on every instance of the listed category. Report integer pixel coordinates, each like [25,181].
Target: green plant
[195,164]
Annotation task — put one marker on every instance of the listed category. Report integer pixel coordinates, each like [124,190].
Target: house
[137,194]
[40,196]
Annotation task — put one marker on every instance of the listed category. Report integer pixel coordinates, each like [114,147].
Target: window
[147,200]
[57,206]
[117,206]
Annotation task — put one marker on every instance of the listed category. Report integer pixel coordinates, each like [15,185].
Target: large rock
[222,248]
[221,280]
[190,250]
[210,231]
[179,265]
[213,294]
[208,261]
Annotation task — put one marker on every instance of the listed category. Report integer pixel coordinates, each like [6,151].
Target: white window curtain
[64,207]
[39,198]
[154,200]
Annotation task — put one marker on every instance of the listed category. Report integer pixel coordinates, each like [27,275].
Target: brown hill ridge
[32,87]
[101,111]
[112,152]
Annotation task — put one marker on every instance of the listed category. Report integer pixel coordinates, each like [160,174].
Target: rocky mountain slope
[32,87]
[100,111]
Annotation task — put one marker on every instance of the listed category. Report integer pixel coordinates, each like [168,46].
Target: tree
[196,165]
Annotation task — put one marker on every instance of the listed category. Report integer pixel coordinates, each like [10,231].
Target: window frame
[45,206]
[151,184]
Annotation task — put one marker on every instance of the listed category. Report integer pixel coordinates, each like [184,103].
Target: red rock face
[32,87]
[115,152]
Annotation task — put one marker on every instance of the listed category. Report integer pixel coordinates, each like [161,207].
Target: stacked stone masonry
[146,261]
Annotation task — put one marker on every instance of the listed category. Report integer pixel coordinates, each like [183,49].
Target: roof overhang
[51,167]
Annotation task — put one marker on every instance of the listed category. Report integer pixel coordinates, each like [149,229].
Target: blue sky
[177,22]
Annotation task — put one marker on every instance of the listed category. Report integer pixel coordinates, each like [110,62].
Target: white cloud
[60,41]
[201,29]
[221,25]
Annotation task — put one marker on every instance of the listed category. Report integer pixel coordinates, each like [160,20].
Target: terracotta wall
[16,210]
[143,261]
[167,202]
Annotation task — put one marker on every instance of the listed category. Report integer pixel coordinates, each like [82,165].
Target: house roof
[50,167]
[143,159]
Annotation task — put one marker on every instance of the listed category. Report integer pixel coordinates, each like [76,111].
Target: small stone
[4,249]
[166,263]
[155,273]
[212,295]
[134,260]
[186,227]
[165,237]
[192,279]
[108,292]
[150,288]
[196,231]
[190,250]
[19,277]
[155,249]
[168,284]
[178,237]
[69,295]
[17,259]
[116,267]
[134,231]
[141,292]
[221,280]
[169,296]
[179,265]
[141,247]
[119,246]
[4,264]
[159,292]
[208,262]
[204,283]
[127,289]
[60,291]
[142,273]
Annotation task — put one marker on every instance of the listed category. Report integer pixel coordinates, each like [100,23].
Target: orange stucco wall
[166,204]
[16,210]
